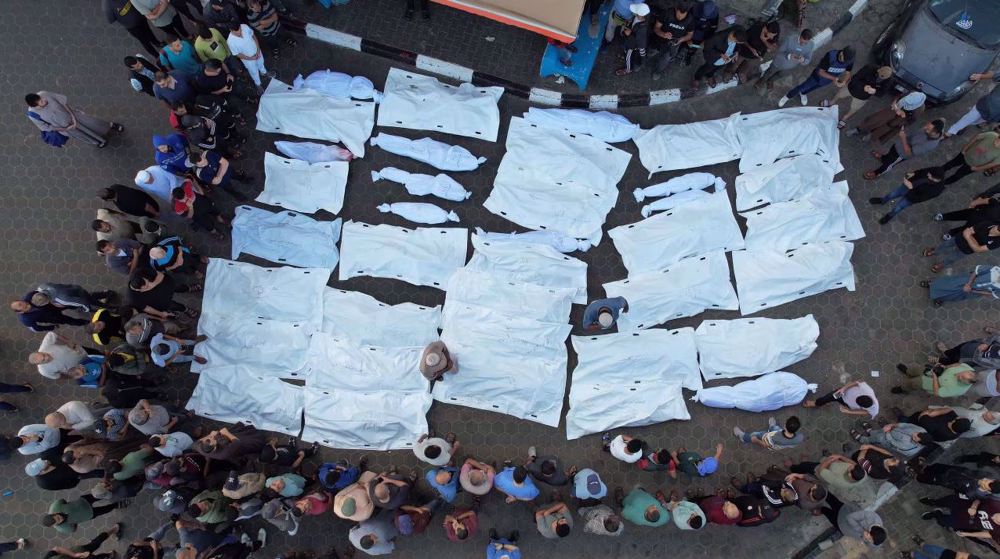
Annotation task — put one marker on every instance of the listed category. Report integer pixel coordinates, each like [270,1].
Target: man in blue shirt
[178,54]
[835,67]
[445,481]
[174,87]
[334,476]
[42,318]
[603,313]
[515,483]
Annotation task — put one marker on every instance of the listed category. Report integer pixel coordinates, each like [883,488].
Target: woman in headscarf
[884,125]
[171,153]
[984,281]
[51,113]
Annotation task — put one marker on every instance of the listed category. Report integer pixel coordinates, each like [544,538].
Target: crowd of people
[209,482]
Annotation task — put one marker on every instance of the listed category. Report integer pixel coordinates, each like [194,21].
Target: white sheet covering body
[440,185]
[630,379]
[605,126]
[531,263]
[370,419]
[683,183]
[768,278]
[826,214]
[286,237]
[311,152]
[772,135]
[304,187]
[421,102]
[339,364]
[699,227]
[765,393]
[419,212]
[338,85]
[553,180]
[421,256]
[235,393]
[787,179]
[668,147]
[310,114]
[558,241]
[753,346]
[270,348]
[364,320]
[686,288]
[432,152]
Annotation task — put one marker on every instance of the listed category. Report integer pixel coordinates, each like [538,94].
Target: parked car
[935,45]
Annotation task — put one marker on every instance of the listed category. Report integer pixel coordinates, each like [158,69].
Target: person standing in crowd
[162,15]
[42,316]
[882,126]
[623,447]
[641,508]
[982,237]
[984,281]
[178,54]
[835,67]
[692,463]
[266,24]
[944,382]
[855,522]
[720,50]
[861,87]
[243,44]
[51,112]
[130,201]
[908,145]
[515,483]
[636,39]
[125,14]
[173,87]
[554,521]
[986,110]
[436,360]
[142,73]
[620,16]
[674,28]
[943,424]
[795,52]
[982,153]
[905,439]
[918,186]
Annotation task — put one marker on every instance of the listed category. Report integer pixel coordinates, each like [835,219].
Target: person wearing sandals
[152,292]
[982,237]
[982,153]
[984,281]
[868,82]
[908,145]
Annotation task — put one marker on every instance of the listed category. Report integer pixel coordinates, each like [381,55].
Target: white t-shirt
[242,45]
[176,444]
[442,459]
[77,414]
[63,357]
[862,389]
[619,451]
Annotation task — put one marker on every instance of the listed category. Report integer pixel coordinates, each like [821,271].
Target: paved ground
[47,202]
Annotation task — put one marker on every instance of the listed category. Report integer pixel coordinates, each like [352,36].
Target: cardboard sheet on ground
[421,102]
[630,379]
[364,320]
[772,135]
[553,180]
[699,227]
[372,419]
[668,147]
[825,214]
[686,288]
[303,187]
[785,180]
[286,237]
[235,393]
[769,392]
[748,347]
[768,278]
[526,262]
[310,114]
[421,256]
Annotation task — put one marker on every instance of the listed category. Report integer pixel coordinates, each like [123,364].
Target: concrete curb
[539,95]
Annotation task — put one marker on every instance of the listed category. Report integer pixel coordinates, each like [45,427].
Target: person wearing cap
[869,81]
[65,515]
[54,475]
[211,507]
[636,34]
[795,52]
[354,501]
[151,419]
[835,67]
[413,520]
[435,450]
[444,480]
[171,445]
[436,360]
[692,464]
[546,469]
[720,50]
[462,522]
[334,476]
[623,447]
[73,416]
[588,487]
[157,182]
[515,483]
[476,477]
[641,508]
[170,501]
[375,536]
[602,313]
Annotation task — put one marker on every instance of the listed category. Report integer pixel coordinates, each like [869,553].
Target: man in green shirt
[982,153]
[941,381]
[133,464]
[66,515]
[847,480]
[211,507]
[639,507]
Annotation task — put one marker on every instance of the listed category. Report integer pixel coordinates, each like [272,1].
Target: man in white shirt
[56,355]
[243,44]
[157,182]
[73,415]
[172,444]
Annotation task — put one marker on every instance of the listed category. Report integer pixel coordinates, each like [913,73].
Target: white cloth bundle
[524,300]
[421,102]
[373,419]
[605,126]
[768,278]
[769,392]
[311,152]
[421,256]
[286,237]
[772,135]
[364,320]
[419,212]
[556,181]
[237,394]
[690,181]
[668,147]
[558,241]
[338,85]
[303,187]
[440,185]
[825,214]
[749,347]
[432,152]
[684,289]
[671,202]
[699,227]
[529,263]
[630,380]
[787,179]
[309,114]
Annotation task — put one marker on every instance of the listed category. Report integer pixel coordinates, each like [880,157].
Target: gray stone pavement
[47,202]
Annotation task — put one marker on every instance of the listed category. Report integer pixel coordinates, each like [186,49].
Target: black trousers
[98,511]
[144,35]
[412,5]
[956,162]
[804,468]
[176,27]
[832,509]
[828,398]
[888,160]
[982,460]
[706,70]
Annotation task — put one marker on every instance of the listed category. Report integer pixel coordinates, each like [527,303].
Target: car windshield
[979,20]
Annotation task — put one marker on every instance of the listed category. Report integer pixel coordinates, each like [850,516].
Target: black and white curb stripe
[535,94]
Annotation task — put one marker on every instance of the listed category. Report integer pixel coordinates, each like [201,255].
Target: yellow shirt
[214,48]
